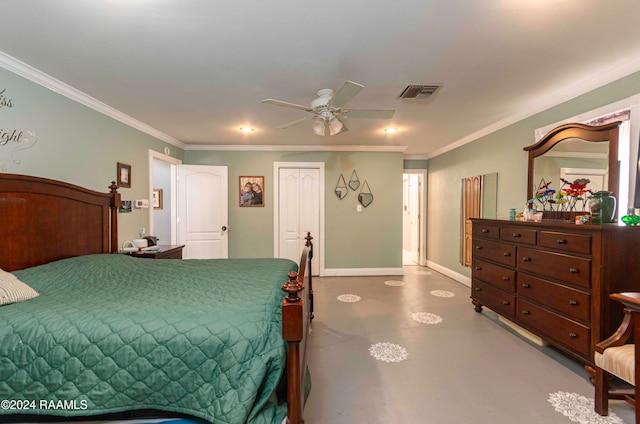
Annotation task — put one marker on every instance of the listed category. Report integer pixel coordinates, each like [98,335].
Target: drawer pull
[506,254]
[573,303]
[526,259]
[573,270]
[525,312]
[561,241]
[478,268]
[506,278]
[478,288]
[505,302]
[484,230]
[526,285]
[516,235]
[478,247]
[573,335]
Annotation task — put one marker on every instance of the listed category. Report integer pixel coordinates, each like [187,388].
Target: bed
[114,334]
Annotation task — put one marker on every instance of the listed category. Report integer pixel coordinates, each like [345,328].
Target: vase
[602,206]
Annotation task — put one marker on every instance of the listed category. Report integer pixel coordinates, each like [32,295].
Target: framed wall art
[124,175]
[157,198]
[251,191]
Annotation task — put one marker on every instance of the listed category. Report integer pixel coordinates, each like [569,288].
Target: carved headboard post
[114,205]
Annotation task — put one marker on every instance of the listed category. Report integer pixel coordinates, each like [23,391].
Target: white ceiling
[197,70]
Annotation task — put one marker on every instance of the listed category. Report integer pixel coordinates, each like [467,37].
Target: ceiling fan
[328,110]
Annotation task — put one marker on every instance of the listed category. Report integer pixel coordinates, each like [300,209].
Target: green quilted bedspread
[112,333]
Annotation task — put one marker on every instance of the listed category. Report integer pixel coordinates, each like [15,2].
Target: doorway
[162,176]
[191,206]
[414,217]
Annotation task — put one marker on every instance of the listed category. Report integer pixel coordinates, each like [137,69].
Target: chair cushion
[618,361]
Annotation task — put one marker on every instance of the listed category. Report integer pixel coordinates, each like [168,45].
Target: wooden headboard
[43,220]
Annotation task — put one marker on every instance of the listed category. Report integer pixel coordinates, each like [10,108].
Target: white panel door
[299,211]
[203,211]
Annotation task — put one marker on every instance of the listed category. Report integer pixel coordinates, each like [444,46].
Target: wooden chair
[614,356]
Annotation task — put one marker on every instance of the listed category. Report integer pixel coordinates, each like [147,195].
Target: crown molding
[558,97]
[416,157]
[20,68]
[295,148]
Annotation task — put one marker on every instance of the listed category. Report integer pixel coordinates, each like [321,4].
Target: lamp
[325,123]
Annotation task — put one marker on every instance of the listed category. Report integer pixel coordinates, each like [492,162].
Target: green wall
[75,144]
[368,239]
[81,146]
[501,152]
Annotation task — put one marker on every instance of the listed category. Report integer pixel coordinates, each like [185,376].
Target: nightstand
[163,252]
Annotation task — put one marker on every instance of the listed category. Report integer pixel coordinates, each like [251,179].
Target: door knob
[224,228]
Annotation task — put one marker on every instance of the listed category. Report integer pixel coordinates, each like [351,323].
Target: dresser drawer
[577,243]
[519,235]
[495,251]
[485,231]
[496,275]
[493,298]
[571,302]
[558,266]
[554,326]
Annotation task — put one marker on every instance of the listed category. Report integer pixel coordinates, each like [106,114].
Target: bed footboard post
[113,228]
[309,244]
[292,332]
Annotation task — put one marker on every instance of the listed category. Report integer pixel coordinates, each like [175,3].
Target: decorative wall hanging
[157,198]
[341,188]
[124,175]
[354,182]
[126,206]
[365,197]
[251,191]
[14,139]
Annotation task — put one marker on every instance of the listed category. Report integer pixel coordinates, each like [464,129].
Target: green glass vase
[631,220]
[602,206]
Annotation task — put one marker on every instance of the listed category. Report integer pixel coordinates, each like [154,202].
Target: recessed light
[391,130]
[246,129]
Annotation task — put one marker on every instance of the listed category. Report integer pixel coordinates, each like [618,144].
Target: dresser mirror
[478,199]
[570,152]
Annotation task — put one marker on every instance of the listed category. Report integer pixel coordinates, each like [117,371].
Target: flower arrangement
[572,193]
[570,196]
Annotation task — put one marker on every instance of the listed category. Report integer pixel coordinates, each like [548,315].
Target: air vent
[419,91]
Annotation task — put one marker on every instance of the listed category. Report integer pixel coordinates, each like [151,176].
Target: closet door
[299,211]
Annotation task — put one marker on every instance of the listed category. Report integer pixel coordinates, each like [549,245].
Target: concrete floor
[468,368]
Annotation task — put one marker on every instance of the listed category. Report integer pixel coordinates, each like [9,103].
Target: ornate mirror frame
[601,133]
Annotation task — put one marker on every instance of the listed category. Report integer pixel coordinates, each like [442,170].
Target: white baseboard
[358,272]
[462,279]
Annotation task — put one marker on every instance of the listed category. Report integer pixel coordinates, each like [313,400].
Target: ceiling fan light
[318,126]
[335,126]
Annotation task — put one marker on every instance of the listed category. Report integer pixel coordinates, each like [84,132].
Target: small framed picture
[126,206]
[251,191]
[124,175]
[157,198]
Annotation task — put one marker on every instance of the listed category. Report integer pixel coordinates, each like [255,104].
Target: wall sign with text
[12,140]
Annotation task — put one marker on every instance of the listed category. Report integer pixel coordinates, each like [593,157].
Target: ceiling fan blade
[287,104]
[371,113]
[292,123]
[345,93]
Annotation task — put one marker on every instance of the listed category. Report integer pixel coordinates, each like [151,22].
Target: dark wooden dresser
[554,278]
